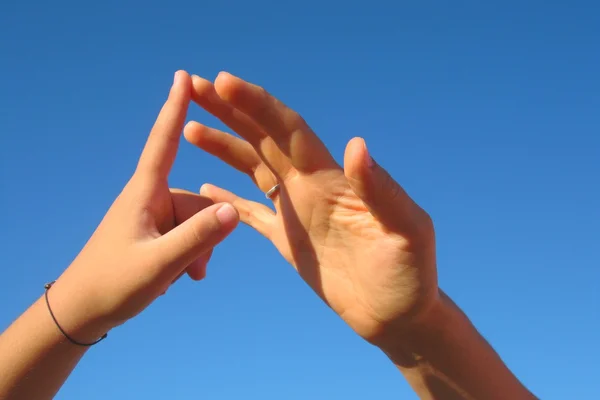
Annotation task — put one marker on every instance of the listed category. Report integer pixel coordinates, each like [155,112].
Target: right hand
[148,238]
[364,246]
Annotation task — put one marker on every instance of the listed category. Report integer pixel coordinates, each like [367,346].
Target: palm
[349,259]
[366,266]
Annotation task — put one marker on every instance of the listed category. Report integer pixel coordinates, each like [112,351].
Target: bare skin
[150,236]
[355,236]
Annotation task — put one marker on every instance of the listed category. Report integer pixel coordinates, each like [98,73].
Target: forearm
[451,360]
[36,358]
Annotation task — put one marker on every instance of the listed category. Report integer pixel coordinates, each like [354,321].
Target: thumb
[381,194]
[196,236]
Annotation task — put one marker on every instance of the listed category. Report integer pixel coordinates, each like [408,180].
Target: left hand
[362,244]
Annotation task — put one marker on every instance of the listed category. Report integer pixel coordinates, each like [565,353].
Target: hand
[148,238]
[353,234]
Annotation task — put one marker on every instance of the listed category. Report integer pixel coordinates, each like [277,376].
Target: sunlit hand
[148,238]
[353,234]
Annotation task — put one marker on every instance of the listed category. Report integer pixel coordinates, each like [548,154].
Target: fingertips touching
[256,215]
[185,243]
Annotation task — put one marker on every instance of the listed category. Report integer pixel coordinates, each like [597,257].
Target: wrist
[408,344]
[74,312]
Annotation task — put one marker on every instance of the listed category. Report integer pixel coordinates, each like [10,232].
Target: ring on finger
[272,192]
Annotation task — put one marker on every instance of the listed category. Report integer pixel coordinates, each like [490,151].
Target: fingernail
[226,214]
[370,161]
[175,77]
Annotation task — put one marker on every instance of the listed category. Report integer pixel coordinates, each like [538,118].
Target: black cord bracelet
[48,286]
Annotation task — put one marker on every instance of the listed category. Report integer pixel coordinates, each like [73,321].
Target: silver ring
[272,191]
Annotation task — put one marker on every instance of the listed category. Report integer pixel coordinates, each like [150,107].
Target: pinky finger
[256,215]
[197,269]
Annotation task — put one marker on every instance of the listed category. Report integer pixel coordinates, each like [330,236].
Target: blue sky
[486,112]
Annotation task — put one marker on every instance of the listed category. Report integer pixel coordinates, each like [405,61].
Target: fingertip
[227,86]
[356,144]
[199,274]
[356,156]
[191,132]
[205,189]
[176,77]
[202,87]
[180,76]
[227,215]
[182,86]
[217,194]
[196,274]
[197,270]
[224,75]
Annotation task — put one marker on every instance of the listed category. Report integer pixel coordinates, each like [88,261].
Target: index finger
[287,128]
[161,148]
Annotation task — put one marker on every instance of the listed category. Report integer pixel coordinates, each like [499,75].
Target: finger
[289,130]
[381,194]
[187,242]
[205,95]
[234,151]
[161,148]
[256,215]
[197,269]
[186,204]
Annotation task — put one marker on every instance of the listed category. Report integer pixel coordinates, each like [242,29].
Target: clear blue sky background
[487,112]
